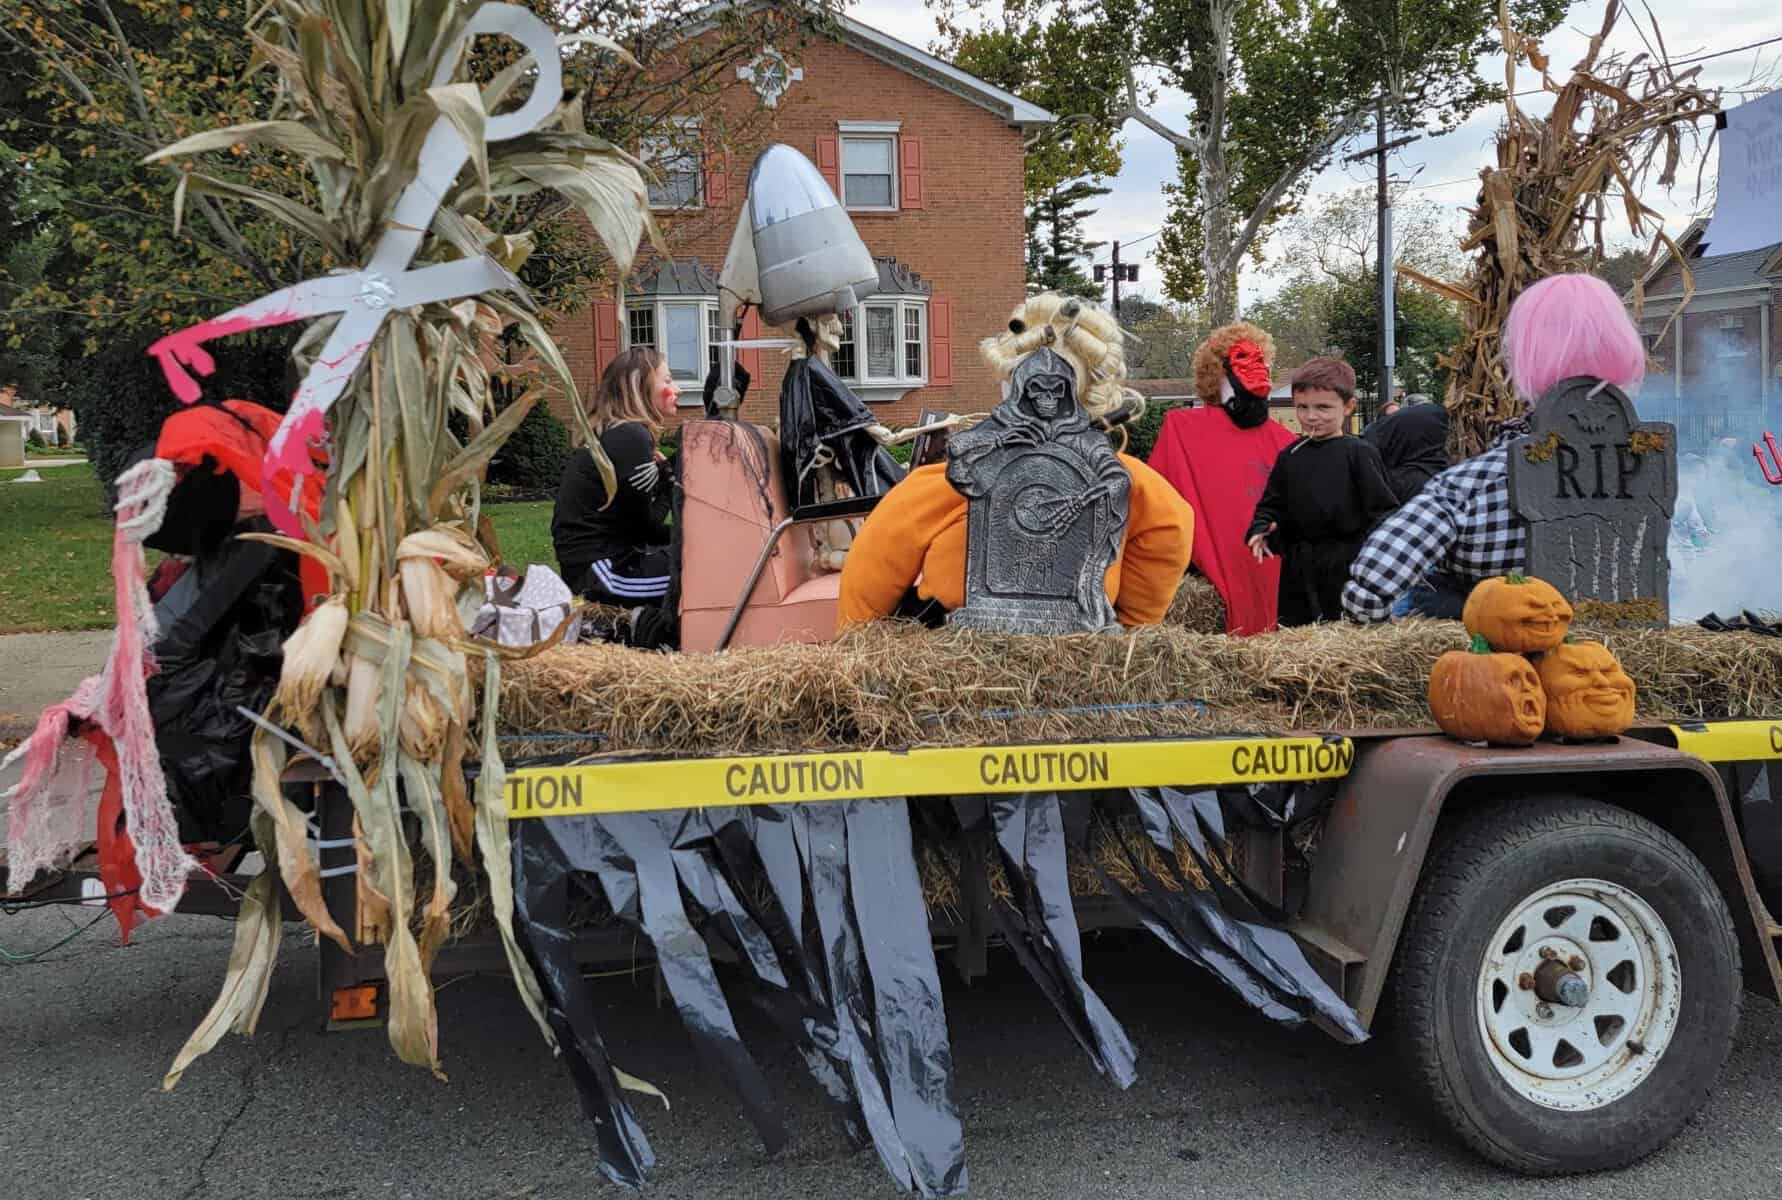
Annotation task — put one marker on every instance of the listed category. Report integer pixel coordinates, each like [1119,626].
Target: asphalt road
[1226,1105]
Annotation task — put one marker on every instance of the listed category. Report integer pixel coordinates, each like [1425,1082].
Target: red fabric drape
[1221,471]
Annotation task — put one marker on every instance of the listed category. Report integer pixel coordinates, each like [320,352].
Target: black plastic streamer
[1256,959]
[545,855]
[822,905]
[1234,918]
[850,973]
[1043,934]
[908,1018]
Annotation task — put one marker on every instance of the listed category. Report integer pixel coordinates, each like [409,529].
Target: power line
[1126,242]
[1684,62]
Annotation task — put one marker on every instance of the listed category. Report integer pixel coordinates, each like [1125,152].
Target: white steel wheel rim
[1579,1057]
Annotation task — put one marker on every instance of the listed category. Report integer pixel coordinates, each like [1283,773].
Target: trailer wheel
[1567,986]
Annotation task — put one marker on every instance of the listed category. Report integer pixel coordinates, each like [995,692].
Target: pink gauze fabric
[44,827]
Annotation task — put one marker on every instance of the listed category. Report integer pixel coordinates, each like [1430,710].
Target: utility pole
[1117,274]
[1384,341]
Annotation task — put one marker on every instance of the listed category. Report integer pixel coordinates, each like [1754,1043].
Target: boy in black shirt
[1326,491]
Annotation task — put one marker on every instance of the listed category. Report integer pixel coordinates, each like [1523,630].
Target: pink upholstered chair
[735,528]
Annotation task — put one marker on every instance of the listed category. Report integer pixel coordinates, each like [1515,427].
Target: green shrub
[902,452]
[34,440]
[1141,434]
[120,396]
[532,458]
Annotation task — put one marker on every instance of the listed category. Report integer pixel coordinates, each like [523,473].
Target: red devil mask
[1249,369]
[1247,372]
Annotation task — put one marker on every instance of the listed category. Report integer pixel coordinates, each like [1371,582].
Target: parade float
[1565,914]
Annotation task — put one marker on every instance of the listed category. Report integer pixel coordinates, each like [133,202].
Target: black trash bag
[223,624]
[1276,805]
[818,412]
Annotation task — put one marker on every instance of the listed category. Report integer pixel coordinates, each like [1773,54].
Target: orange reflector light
[354,1003]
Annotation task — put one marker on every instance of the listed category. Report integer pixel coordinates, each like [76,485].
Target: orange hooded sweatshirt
[918,531]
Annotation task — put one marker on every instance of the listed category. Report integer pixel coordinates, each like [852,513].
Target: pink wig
[1568,325]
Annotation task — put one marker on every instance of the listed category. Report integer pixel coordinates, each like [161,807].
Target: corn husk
[1543,207]
[456,553]
[425,723]
[403,492]
[364,735]
[346,545]
[311,656]
[432,599]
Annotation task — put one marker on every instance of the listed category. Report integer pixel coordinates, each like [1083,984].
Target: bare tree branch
[1342,131]
[1135,112]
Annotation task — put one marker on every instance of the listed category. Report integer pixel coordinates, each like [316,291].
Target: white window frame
[708,319]
[901,381]
[868,131]
[688,134]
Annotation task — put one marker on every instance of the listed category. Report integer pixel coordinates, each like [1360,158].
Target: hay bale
[1198,607]
[894,685]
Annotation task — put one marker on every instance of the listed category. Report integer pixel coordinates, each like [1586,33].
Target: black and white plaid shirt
[1459,523]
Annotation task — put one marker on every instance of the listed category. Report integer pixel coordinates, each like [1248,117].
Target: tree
[1274,86]
[1618,270]
[1338,235]
[1298,318]
[1056,244]
[88,88]
[1424,325]
[1065,66]
[1166,341]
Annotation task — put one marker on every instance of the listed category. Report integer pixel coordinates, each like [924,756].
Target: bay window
[884,344]
[684,331]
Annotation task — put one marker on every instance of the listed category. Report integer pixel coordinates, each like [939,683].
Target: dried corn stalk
[380,674]
[1615,125]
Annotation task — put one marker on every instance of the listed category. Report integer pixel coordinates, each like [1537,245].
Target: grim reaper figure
[1047,502]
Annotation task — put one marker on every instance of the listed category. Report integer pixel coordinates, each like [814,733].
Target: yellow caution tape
[1731,741]
[634,786]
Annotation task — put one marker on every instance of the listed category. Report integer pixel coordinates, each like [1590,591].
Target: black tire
[1483,870]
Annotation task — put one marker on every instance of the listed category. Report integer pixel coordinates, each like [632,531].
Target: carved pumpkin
[1588,694]
[1478,696]
[1517,613]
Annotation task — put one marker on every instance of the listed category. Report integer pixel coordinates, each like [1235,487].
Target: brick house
[1718,368]
[928,161]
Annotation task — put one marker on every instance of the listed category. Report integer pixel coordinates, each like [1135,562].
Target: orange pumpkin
[1588,694]
[1517,613]
[1478,696]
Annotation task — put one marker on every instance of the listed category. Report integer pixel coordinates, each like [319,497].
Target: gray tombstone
[1046,508]
[1595,487]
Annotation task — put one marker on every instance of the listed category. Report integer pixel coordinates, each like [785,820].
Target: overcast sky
[1445,169]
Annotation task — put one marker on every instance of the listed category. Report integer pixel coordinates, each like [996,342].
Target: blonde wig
[624,391]
[1209,358]
[1089,339]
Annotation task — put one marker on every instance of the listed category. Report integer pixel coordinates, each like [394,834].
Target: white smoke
[1726,534]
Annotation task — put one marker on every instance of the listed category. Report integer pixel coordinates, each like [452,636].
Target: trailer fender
[1386,813]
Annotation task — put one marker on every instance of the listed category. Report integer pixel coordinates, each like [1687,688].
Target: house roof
[905,57]
[1715,272]
[7,410]
[1162,389]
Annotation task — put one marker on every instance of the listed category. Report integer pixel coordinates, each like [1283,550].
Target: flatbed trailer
[1562,933]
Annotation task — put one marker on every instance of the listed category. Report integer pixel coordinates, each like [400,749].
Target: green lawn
[55,557]
[56,537]
[525,532]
